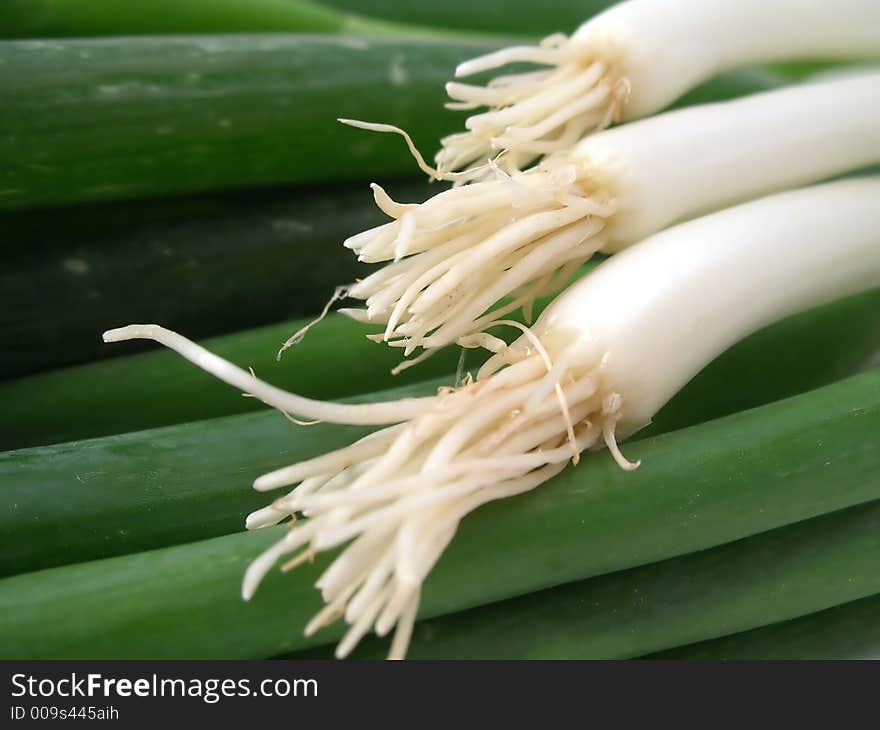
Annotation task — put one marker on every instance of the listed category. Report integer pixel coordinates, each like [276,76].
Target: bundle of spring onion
[598,363]
[523,235]
[633,60]
[580,377]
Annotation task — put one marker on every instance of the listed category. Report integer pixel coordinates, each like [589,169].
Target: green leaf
[519,17]
[850,631]
[55,18]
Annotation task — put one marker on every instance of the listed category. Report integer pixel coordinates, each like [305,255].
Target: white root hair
[369,414]
[395,498]
[453,257]
[534,113]
[392,501]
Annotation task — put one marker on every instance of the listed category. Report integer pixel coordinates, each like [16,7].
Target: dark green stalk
[159,388]
[509,17]
[185,114]
[59,18]
[203,265]
[129,492]
[850,631]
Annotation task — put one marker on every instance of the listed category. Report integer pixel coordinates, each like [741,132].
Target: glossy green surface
[181,114]
[54,18]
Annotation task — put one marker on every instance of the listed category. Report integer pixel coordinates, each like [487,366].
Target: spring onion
[598,364]
[455,256]
[633,60]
